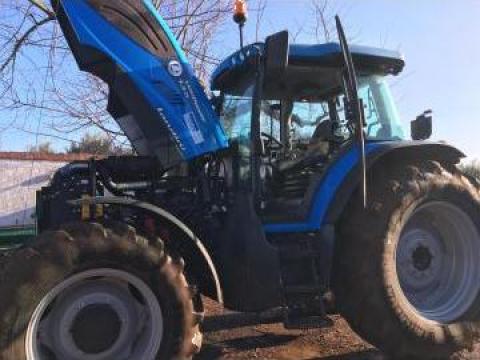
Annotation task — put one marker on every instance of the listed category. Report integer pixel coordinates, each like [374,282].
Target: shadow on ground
[280,347]
[248,336]
[244,344]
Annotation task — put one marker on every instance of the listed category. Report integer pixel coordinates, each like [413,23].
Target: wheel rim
[99,314]
[437,262]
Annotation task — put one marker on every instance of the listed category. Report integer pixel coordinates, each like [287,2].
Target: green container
[16,236]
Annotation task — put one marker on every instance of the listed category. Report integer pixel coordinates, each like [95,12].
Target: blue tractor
[293,188]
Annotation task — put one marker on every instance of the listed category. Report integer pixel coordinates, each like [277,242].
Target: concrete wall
[21,175]
[19,181]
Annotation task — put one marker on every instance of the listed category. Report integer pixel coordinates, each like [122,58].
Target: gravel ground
[274,342]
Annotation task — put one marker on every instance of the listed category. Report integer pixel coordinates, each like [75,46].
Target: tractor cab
[294,118]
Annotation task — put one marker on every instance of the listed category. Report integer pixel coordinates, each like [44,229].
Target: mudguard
[394,152]
[330,195]
[195,253]
[154,95]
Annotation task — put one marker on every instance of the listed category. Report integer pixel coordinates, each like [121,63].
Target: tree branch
[39,4]
[21,41]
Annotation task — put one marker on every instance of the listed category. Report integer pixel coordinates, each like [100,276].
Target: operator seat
[323,132]
[317,149]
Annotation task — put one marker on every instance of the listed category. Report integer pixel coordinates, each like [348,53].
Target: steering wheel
[272,140]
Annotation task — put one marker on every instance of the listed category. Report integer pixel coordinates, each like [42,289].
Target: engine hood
[154,95]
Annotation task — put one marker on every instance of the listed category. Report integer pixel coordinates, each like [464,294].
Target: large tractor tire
[407,269]
[88,292]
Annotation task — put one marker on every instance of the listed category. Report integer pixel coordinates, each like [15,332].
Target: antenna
[240,16]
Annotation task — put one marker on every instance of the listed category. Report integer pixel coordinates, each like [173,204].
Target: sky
[439,39]
[440,42]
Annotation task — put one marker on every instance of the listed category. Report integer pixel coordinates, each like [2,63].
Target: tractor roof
[368,60]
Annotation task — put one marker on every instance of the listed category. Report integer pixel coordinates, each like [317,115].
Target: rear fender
[391,153]
[197,259]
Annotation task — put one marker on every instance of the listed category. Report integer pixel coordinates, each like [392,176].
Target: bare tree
[39,79]
[41,90]
[323,23]
[260,13]
[96,144]
[317,23]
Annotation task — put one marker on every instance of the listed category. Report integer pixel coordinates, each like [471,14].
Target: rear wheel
[407,268]
[92,293]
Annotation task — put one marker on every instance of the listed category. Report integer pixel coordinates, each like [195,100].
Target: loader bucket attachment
[154,95]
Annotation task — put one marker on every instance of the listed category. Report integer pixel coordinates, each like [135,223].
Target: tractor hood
[154,95]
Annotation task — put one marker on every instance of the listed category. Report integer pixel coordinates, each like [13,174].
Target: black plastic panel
[133,18]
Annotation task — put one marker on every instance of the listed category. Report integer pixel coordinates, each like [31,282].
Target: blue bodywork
[325,193]
[317,54]
[370,59]
[326,206]
[158,102]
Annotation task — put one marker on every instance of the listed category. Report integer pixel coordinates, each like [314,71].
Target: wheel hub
[437,261]
[96,328]
[422,258]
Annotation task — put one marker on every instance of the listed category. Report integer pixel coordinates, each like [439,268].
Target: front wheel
[408,267]
[91,293]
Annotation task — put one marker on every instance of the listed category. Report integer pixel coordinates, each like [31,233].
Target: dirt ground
[274,342]
[228,337]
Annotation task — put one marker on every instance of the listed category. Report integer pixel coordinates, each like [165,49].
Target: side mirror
[277,49]
[422,127]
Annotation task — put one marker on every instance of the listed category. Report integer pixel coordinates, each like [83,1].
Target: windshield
[312,119]
[381,115]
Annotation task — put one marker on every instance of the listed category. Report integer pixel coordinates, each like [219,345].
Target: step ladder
[303,286]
